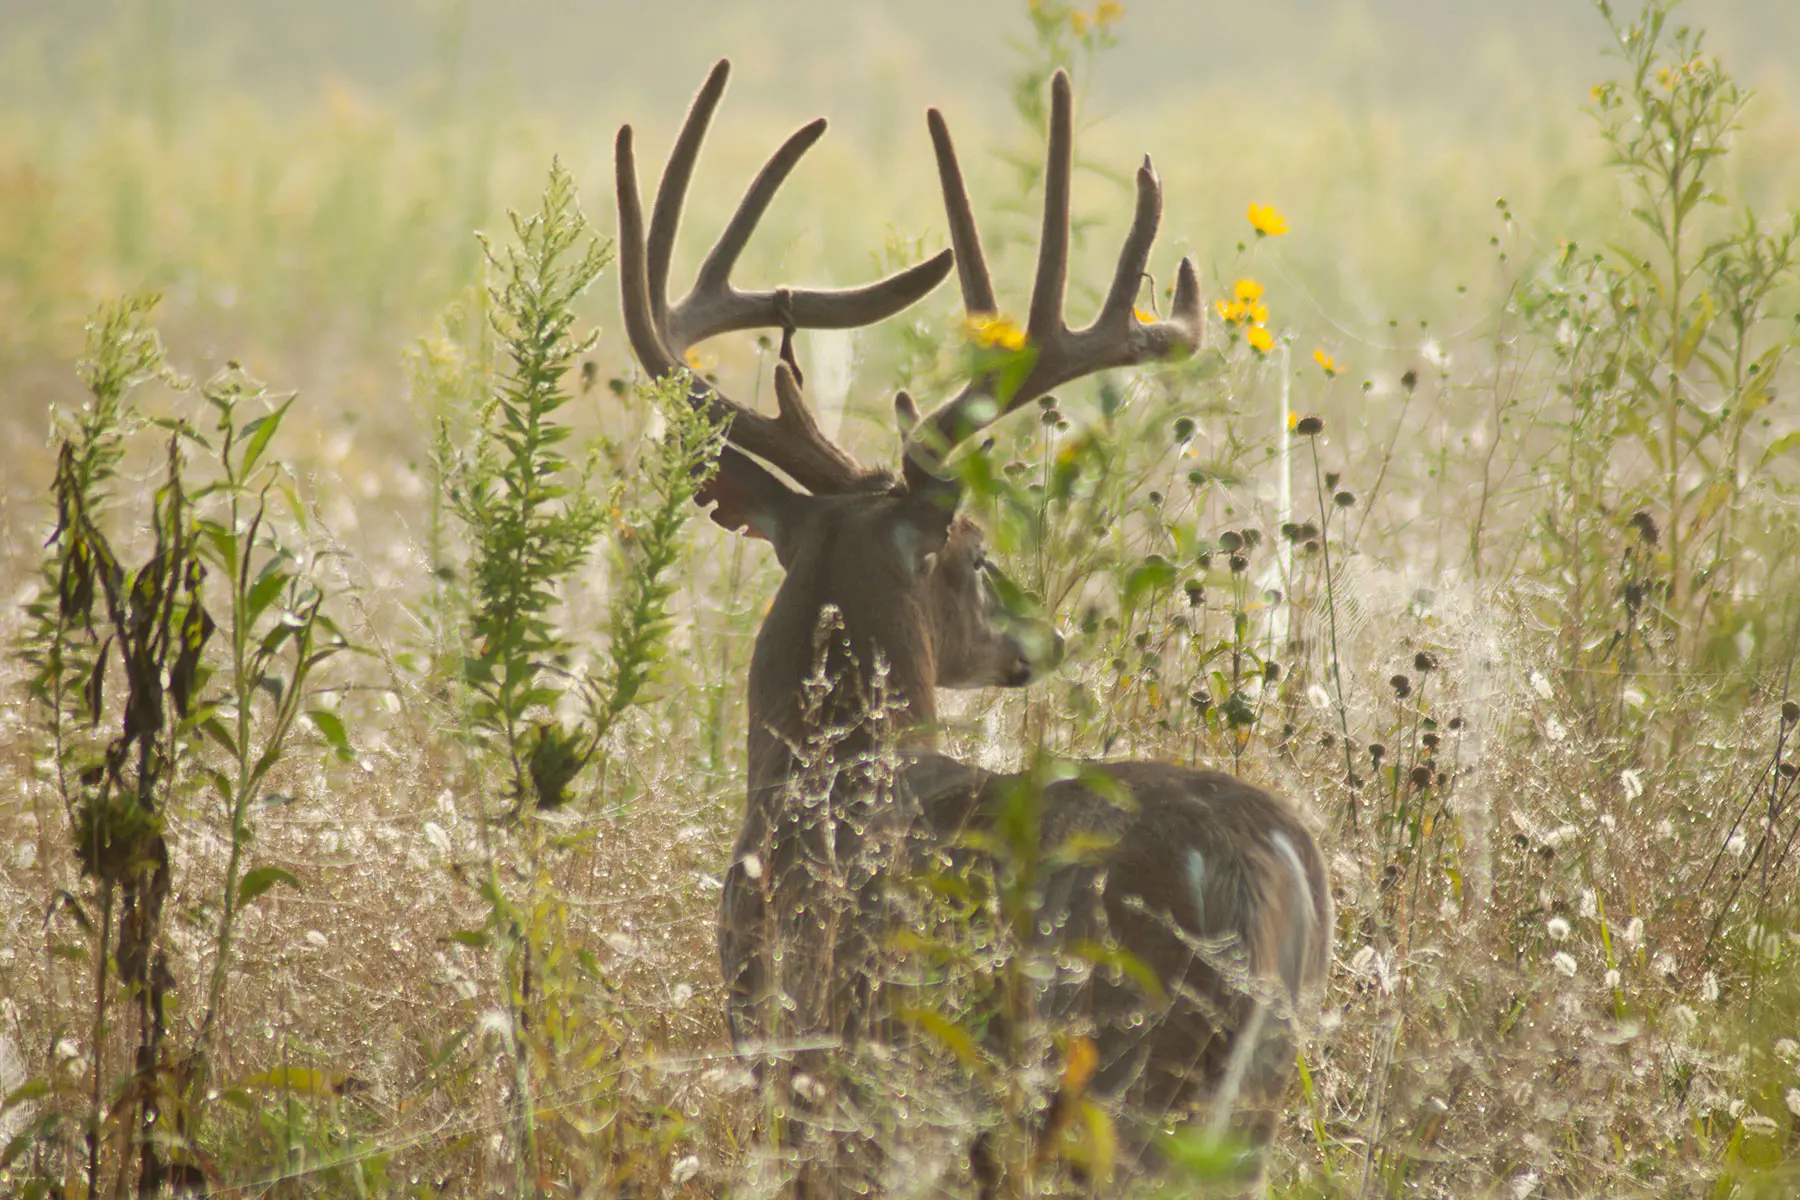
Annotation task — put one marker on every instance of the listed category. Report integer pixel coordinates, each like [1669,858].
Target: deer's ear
[922,528]
[747,499]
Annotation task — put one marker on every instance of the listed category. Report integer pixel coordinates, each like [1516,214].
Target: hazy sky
[567,56]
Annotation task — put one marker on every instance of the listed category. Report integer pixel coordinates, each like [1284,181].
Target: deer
[1212,883]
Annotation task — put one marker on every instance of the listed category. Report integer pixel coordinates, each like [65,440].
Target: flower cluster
[1082,23]
[1246,311]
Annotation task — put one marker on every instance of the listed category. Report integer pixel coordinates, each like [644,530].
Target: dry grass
[1567,967]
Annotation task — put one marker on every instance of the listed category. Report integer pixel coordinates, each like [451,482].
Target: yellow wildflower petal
[1109,12]
[1078,21]
[1325,361]
[1143,317]
[1258,313]
[1247,289]
[1259,339]
[1293,419]
[1266,221]
[992,330]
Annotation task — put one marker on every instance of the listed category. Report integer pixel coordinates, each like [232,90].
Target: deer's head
[907,575]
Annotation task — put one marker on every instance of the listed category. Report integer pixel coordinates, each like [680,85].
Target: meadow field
[372,709]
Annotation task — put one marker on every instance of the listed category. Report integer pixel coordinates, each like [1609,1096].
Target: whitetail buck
[1211,882]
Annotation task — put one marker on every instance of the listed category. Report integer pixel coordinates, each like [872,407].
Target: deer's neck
[836,678]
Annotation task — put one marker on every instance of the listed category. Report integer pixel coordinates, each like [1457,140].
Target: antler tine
[713,306]
[1117,338]
[671,193]
[661,333]
[1045,322]
[965,239]
[1134,255]
[641,324]
[715,272]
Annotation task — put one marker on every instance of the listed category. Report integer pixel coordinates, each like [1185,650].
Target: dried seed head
[1239,564]
[1377,751]
[1309,426]
[1409,380]
[1344,499]
[1645,524]
[1230,540]
[1421,777]
[1271,672]
[1430,740]
[1456,723]
[1424,661]
[1790,713]
[1402,686]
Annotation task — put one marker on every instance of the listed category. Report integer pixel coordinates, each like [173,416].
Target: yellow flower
[1258,313]
[1108,13]
[992,330]
[1232,312]
[1143,317]
[1293,420]
[1266,221]
[1078,21]
[1259,339]
[1328,363]
[1248,289]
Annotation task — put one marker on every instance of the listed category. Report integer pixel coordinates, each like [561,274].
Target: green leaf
[1787,443]
[330,725]
[474,938]
[1155,573]
[215,729]
[308,1081]
[265,589]
[259,432]
[952,1036]
[255,883]
[33,1089]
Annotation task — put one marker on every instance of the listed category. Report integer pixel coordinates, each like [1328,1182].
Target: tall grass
[1498,585]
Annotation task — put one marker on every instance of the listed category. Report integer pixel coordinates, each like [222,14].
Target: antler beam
[661,333]
[1117,338]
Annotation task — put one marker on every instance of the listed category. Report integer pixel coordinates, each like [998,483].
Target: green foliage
[530,517]
[1668,343]
[667,477]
